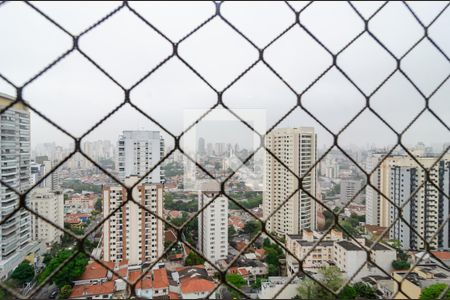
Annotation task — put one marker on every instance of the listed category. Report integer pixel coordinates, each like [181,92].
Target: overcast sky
[75,94]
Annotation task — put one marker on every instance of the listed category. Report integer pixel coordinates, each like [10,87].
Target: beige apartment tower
[132,233]
[296,148]
[50,205]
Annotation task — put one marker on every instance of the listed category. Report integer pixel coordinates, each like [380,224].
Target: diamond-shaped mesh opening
[333,206]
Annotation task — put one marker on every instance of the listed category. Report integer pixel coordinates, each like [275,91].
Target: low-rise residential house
[175,214]
[260,254]
[143,287]
[95,273]
[160,283]
[193,282]
[104,290]
[196,288]
[236,222]
[98,282]
[82,217]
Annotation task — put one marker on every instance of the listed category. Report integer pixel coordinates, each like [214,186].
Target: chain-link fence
[298,11]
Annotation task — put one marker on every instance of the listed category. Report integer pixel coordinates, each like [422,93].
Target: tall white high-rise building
[15,235]
[425,210]
[398,177]
[132,233]
[39,170]
[296,148]
[138,152]
[213,222]
[50,205]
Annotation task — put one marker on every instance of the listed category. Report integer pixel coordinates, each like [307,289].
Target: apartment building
[49,205]
[307,247]
[333,249]
[424,210]
[296,148]
[132,233]
[377,207]
[402,180]
[138,152]
[15,233]
[42,168]
[349,190]
[212,222]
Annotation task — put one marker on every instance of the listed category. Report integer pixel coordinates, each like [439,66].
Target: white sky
[75,94]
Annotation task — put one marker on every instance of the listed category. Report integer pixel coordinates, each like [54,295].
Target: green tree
[65,291]
[231,232]
[273,270]
[400,265]
[364,290]
[236,279]
[98,205]
[434,291]
[72,270]
[4,294]
[194,259]
[257,284]
[330,277]
[272,257]
[23,273]
[348,292]
[252,227]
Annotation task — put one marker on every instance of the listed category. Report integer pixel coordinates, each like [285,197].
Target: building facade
[15,233]
[403,180]
[213,223]
[50,205]
[296,148]
[132,233]
[138,152]
[349,189]
[425,207]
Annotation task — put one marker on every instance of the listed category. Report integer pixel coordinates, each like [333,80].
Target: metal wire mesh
[127,100]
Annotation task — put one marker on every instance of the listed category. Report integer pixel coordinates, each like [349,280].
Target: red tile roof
[94,270]
[160,279]
[243,271]
[178,269]
[260,252]
[170,236]
[72,220]
[175,214]
[92,289]
[173,295]
[240,245]
[196,285]
[442,255]
[145,283]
